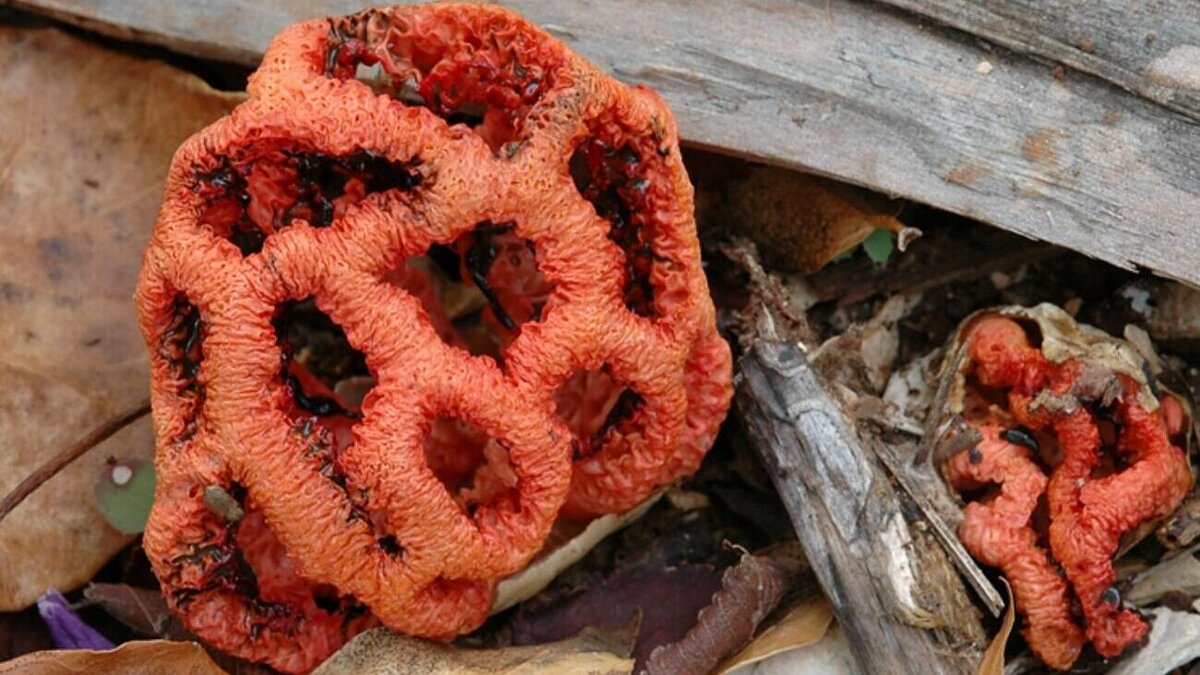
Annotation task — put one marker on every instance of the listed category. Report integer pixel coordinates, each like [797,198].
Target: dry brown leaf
[83,153]
[142,610]
[750,591]
[803,624]
[831,655]
[881,338]
[992,662]
[382,652]
[142,657]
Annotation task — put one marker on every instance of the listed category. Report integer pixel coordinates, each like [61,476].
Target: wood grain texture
[847,517]
[1149,48]
[861,92]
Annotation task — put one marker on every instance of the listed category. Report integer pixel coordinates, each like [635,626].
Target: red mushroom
[496,141]
[1000,533]
[1090,507]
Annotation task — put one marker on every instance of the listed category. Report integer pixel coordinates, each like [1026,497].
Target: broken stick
[847,517]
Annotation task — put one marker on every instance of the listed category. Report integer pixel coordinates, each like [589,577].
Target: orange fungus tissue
[1114,467]
[373,148]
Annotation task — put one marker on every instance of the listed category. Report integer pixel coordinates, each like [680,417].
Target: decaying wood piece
[945,536]
[1150,50]
[1174,642]
[860,92]
[1173,575]
[848,518]
[1183,528]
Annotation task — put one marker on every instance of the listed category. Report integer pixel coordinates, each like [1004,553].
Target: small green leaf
[879,246]
[124,494]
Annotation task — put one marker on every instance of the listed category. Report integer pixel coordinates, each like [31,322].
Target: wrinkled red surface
[1091,502]
[999,532]
[563,193]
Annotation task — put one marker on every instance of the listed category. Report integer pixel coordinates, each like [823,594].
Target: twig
[60,461]
[771,316]
[954,548]
[933,432]
[848,518]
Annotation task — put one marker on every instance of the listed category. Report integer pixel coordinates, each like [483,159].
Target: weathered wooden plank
[847,517]
[857,91]
[1149,48]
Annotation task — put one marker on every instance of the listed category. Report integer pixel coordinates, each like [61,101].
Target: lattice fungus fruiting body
[367,141]
[1097,489]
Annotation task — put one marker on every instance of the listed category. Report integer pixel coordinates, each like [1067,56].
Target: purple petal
[67,629]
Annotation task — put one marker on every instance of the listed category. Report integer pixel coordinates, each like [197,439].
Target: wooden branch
[1144,48]
[946,537]
[846,515]
[867,94]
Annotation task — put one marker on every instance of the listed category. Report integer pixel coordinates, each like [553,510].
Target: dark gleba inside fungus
[1070,421]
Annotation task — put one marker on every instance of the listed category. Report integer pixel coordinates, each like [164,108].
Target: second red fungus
[1000,533]
[1090,507]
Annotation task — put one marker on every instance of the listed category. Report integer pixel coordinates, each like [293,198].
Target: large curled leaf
[382,652]
[750,590]
[83,153]
[149,657]
[800,222]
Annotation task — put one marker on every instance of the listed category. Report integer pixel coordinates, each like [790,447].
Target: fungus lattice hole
[618,179]
[181,347]
[595,407]
[247,199]
[1040,520]
[473,467]
[326,376]
[480,290]
[391,545]
[1111,460]
[484,76]
[980,400]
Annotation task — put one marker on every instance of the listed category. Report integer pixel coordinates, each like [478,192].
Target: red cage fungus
[1094,495]
[447,130]
[1000,533]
